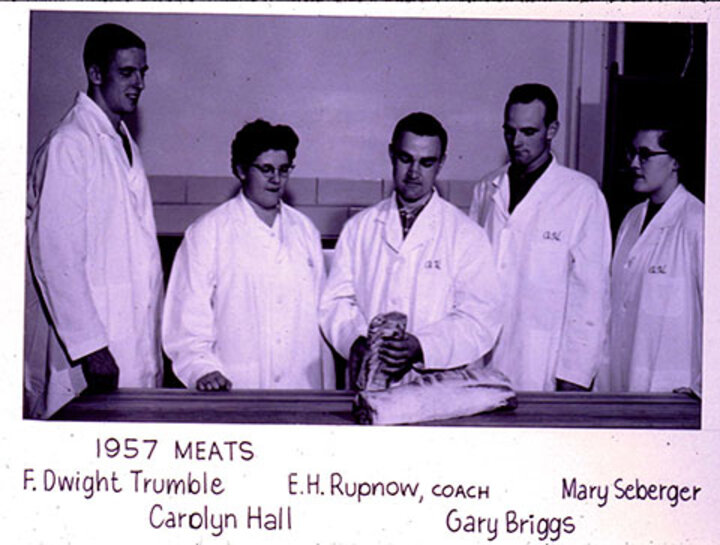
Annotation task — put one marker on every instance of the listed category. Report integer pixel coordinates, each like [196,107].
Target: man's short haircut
[104,40]
[527,92]
[257,137]
[422,124]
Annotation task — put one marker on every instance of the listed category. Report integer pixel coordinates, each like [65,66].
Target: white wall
[342,83]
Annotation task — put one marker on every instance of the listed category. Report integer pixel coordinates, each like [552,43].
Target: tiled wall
[328,202]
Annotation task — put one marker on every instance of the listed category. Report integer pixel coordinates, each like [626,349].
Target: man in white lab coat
[94,278]
[657,275]
[416,254]
[550,233]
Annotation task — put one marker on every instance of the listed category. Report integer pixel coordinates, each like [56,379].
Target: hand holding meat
[399,355]
[385,358]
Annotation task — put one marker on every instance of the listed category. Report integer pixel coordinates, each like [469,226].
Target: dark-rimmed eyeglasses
[283,171]
[643,154]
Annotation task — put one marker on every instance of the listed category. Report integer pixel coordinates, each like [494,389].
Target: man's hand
[564,386]
[213,382]
[100,370]
[400,354]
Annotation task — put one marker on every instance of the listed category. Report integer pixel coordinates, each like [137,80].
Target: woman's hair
[669,140]
[257,137]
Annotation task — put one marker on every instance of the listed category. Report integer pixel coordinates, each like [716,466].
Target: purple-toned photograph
[364,220]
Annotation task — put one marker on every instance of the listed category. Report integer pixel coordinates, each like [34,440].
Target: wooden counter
[535,409]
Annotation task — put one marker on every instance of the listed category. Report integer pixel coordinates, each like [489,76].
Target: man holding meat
[415,254]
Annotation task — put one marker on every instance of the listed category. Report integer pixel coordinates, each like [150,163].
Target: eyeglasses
[643,154]
[283,171]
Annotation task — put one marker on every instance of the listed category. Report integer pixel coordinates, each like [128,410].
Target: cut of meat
[437,395]
[374,375]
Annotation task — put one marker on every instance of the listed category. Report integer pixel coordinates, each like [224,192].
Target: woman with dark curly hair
[241,304]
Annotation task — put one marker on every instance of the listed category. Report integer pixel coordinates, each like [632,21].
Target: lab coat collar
[540,188]
[102,121]
[426,224]
[136,178]
[249,217]
[501,192]
[666,216]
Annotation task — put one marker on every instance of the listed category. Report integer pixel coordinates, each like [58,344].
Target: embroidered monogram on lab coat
[552,235]
[657,269]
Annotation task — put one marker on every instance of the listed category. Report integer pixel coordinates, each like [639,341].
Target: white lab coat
[553,258]
[441,276]
[242,300]
[93,249]
[657,298]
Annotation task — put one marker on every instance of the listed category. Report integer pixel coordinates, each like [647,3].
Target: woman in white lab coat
[657,276]
[241,307]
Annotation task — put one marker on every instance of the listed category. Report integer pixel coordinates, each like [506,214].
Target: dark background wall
[663,79]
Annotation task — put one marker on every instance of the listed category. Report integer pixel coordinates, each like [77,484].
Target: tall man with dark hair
[94,279]
[416,254]
[549,228]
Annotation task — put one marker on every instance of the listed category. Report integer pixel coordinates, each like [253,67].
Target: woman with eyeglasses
[657,275]
[241,304]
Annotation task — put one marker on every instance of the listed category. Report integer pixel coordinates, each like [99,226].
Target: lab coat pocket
[661,296]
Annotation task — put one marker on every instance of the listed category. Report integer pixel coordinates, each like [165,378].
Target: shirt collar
[413,208]
[411,216]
